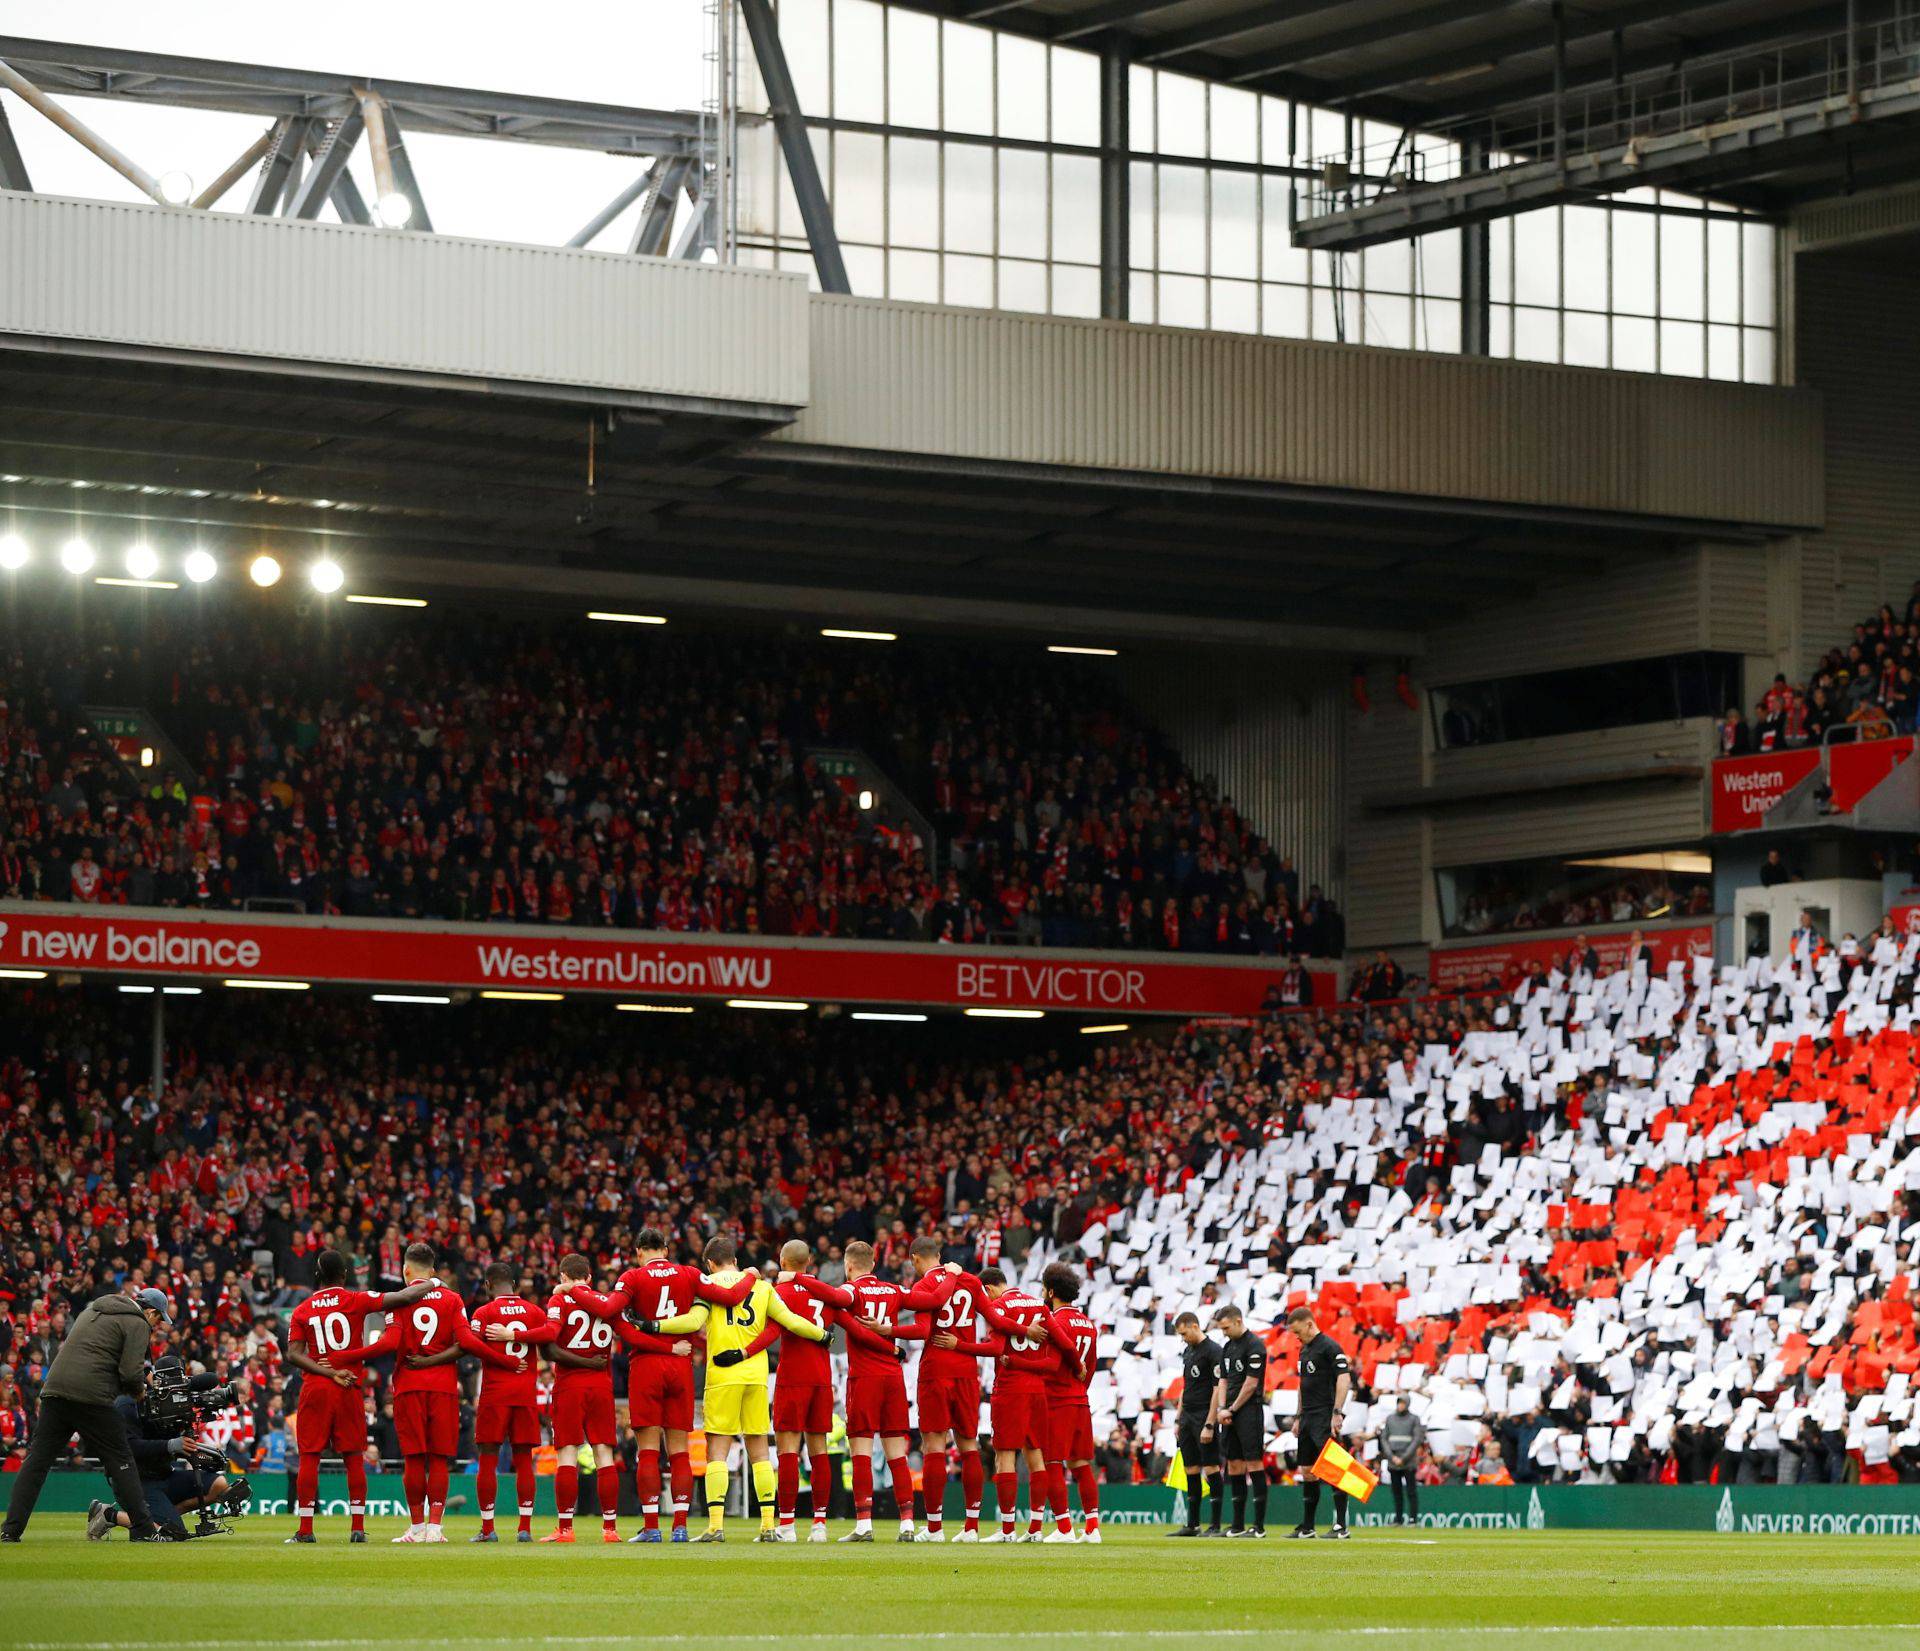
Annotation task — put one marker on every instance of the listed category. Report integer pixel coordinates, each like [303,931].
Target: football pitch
[1443,1588]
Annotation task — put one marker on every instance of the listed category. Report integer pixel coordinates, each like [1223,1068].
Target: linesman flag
[1335,1467]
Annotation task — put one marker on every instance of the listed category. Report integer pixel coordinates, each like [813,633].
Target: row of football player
[1044,1349]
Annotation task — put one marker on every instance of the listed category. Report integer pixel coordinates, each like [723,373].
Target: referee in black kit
[1241,1424]
[1326,1378]
[1199,1404]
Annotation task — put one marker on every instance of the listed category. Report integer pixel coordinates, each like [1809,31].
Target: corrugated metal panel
[1857,218]
[1052,390]
[1734,596]
[1654,816]
[1387,884]
[1272,740]
[1633,612]
[285,290]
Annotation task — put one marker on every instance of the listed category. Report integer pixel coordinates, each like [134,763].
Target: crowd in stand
[523,773]
[1497,902]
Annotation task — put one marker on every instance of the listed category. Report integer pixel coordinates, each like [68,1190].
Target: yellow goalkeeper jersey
[735,1329]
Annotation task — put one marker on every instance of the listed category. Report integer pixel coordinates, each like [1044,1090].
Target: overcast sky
[645,53]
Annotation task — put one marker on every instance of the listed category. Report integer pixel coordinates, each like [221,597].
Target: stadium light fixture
[136,584]
[526,997]
[14,554]
[862,636]
[393,211]
[784,1003]
[180,991]
[140,991]
[76,556]
[1095,1031]
[389,601]
[23,974]
[325,576]
[264,571]
[655,1008]
[626,618]
[146,756]
[866,800]
[247,985]
[175,189]
[409,997]
[200,566]
[884,1014]
[1004,1014]
[1097,653]
[141,561]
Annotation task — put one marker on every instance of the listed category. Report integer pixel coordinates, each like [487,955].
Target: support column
[1476,268]
[1116,179]
[803,171]
[159,1045]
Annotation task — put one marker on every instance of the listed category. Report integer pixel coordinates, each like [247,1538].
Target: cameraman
[176,1475]
[103,1357]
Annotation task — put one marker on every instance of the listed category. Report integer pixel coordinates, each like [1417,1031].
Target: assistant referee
[1326,1378]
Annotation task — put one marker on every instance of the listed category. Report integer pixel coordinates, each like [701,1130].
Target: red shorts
[799,1408]
[660,1392]
[950,1402]
[330,1418]
[505,1424]
[877,1404]
[428,1423]
[583,1414]
[1019,1419]
[1069,1433]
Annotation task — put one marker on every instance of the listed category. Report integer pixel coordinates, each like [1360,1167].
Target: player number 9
[427,1321]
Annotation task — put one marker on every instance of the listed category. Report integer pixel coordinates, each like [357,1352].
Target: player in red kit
[1019,1401]
[949,1396]
[1073,1339]
[802,1400]
[660,1384]
[427,1338]
[582,1404]
[508,1412]
[331,1416]
[870,1308]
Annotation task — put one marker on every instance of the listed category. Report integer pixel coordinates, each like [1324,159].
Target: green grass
[1446,1588]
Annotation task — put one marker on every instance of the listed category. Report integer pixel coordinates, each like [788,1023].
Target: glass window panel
[1076,97]
[1183,301]
[1280,259]
[966,77]
[1182,126]
[1141,305]
[1723,270]
[1273,132]
[1437,325]
[1756,277]
[1388,267]
[1388,319]
[1142,114]
[1584,343]
[1142,243]
[1324,134]
[1236,241]
[1336,323]
[1683,348]
[1283,312]
[1683,268]
[1183,220]
[1759,355]
[1500,260]
[969,214]
[1076,291]
[805,30]
[760,174]
[1536,257]
[1536,334]
[1500,330]
[913,68]
[1436,260]
[1023,286]
[1023,87]
[913,277]
[1584,259]
[866,270]
[859,53]
[1235,306]
[1723,352]
[913,193]
[1633,347]
[1633,270]
[1076,208]
[1236,125]
[969,282]
[859,187]
[1023,204]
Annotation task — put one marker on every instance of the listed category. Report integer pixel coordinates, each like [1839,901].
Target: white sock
[863,1524]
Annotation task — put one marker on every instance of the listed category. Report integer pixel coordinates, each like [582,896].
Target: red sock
[822,1484]
[681,1469]
[306,1482]
[933,1485]
[413,1476]
[436,1489]
[357,1491]
[1083,1476]
[786,1490]
[566,1492]
[1006,1491]
[863,1486]
[648,1472]
[489,1485]
[523,1479]
[902,1485]
[609,1497]
[1057,1495]
[973,1485]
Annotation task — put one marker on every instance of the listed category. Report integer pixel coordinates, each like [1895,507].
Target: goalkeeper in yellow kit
[736,1395]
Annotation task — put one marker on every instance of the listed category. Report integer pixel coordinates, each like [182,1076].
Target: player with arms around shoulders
[1075,1340]
[1326,1380]
[508,1411]
[660,1382]
[1019,1411]
[949,1395]
[582,1352]
[331,1413]
[802,1399]
[1240,1419]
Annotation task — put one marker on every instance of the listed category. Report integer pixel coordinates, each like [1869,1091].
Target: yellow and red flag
[1334,1466]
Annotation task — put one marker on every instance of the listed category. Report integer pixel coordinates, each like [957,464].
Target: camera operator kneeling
[177,1475]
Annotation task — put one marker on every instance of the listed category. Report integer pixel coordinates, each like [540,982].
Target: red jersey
[1020,1317]
[431,1325]
[580,1331]
[1074,1339]
[874,1298]
[662,1289]
[960,1315]
[805,1363]
[531,1326]
[330,1321]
